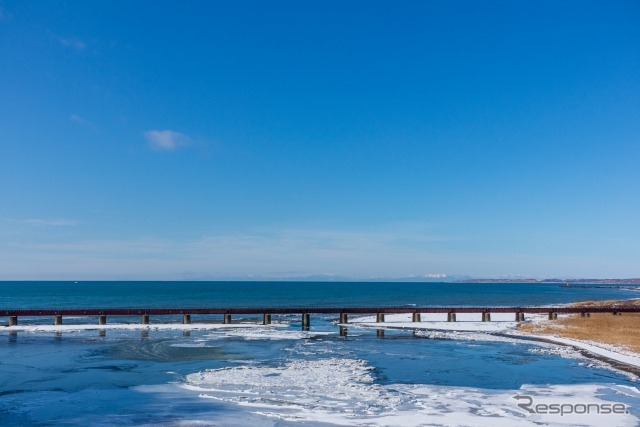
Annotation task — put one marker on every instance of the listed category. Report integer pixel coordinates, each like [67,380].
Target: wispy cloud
[39,222]
[77,119]
[390,252]
[4,15]
[83,122]
[260,254]
[71,42]
[166,140]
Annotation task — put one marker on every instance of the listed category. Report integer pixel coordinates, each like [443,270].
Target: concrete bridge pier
[585,314]
[57,321]
[13,320]
[227,319]
[380,333]
[306,321]
[415,317]
[451,317]
[553,315]
[266,319]
[486,316]
[379,317]
[344,319]
[102,319]
[519,316]
[144,319]
[186,319]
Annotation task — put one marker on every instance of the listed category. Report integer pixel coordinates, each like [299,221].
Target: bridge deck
[313,310]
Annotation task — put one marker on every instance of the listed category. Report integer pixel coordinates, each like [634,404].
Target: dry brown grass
[615,303]
[622,330]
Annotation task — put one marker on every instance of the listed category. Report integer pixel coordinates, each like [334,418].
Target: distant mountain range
[422,278]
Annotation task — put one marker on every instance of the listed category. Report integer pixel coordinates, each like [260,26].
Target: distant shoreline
[567,282]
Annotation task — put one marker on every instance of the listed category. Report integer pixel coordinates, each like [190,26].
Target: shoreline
[615,356]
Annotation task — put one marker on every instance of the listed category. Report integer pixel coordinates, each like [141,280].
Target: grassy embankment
[622,331]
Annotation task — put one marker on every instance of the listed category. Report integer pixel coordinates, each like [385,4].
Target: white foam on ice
[271,334]
[343,392]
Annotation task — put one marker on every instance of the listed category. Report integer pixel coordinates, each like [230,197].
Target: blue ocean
[247,374]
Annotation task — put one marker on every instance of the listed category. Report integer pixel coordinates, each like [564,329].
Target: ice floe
[343,391]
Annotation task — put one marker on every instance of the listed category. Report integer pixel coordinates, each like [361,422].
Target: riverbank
[612,339]
[621,331]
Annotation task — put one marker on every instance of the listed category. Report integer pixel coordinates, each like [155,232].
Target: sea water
[283,376]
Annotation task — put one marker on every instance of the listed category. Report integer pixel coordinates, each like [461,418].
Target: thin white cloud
[5,15]
[39,222]
[72,43]
[166,140]
[49,222]
[83,122]
[77,119]
[261,254]
[390,252]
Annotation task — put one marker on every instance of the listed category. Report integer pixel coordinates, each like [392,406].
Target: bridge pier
[519,316]
[486,316]
[186,319]
[13,320]
[266,319]
[451,317]
[306,321]
[585,314]
[415,317]
[227,319]
[344,319]
[380,319]
[57,321]
[102,319]
[553,315]
[144,319]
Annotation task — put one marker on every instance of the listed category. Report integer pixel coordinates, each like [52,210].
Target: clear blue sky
[151,140]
